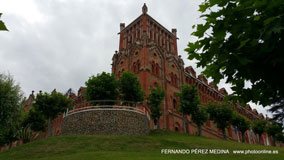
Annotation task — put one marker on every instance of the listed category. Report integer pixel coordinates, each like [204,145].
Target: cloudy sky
[60,43]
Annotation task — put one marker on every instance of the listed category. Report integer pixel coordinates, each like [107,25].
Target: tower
[149,50]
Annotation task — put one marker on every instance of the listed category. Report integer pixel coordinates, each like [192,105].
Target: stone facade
[118,122]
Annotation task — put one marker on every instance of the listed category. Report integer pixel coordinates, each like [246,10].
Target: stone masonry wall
[118,122]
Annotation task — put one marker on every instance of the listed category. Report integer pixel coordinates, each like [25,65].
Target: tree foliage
[2,25]
[51,105]
[104,86]
[155,99]
[130,88]
[10,99]
[199,117]
[221,114]
[274,129]
[241,123]
[242,40]
[35,120]
[189,102]
[259,127]
[189,99]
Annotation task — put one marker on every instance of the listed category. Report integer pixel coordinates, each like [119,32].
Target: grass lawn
[104,147]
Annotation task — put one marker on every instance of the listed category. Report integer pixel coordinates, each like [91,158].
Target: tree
[10,100]
[188,102]
[243,41]
[259,127]
[278,112]
[221,114]
[241,123]
[35,120]
[155,99]
[51,105]
[102,87]
[130,88]
[2,25]
[273,129]
[280,137]
[199,117]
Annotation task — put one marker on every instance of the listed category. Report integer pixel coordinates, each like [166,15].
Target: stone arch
[177,127]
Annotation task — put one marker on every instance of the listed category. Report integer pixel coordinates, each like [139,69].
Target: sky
[61,43]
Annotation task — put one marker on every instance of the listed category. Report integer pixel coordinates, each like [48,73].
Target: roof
[144,13]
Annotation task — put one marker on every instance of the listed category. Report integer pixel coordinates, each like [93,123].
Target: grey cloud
[75,39]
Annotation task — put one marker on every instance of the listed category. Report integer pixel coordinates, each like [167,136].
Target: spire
[144,9]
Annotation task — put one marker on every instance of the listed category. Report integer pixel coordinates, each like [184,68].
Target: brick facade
[149,50]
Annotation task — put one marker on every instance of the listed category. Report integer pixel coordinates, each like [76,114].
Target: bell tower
[149,50]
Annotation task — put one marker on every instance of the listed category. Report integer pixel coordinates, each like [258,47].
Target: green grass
[104,147]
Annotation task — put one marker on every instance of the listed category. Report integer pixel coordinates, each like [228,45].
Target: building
[149,50]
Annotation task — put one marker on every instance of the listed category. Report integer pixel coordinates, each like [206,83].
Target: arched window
[155,84]
[138,66]
[157,69]
[177,127]
[177,80]
[174,103]
[208,123]
[153,67]
[172,78]
[134,67]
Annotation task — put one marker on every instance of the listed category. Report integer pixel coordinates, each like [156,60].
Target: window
[174,79]
[138,33]
[136,66]
[157,70]
[208,124]
[177,127]
[174,103]
[155,84]
[153,67]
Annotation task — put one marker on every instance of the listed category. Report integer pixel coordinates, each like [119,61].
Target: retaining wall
[118,122]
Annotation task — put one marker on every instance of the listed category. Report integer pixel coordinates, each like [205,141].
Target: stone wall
[118,122]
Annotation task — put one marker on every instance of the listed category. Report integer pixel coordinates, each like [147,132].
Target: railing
[108,105]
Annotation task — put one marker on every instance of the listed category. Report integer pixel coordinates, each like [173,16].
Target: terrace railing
[108,105]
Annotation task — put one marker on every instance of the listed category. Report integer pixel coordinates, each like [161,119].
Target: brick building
[149,50]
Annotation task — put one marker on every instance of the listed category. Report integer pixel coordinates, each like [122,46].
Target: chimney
[122,26]
[174,31]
